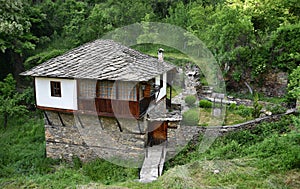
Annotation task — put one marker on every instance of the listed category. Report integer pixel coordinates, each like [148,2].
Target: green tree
[284,47]
[294,84]
[10,100]
[15,35]
[179,15]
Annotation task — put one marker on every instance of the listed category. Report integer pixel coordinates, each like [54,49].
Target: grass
[267,156]
[170,54]
[233,116]
[23,163]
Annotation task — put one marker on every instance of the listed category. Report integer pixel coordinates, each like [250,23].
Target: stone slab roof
[101,60]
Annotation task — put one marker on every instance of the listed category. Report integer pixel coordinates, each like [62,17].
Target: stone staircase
[153,163]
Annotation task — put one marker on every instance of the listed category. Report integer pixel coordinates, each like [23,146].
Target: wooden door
[157,132]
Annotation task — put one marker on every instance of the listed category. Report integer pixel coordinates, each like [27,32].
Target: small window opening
[55,88]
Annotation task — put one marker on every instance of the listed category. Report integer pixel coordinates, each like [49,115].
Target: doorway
[157,132]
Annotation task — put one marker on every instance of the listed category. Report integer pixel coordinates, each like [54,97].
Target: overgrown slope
[265,157]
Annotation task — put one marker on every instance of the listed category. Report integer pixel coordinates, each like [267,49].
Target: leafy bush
[205,104]
[190,100]
[232,106]
[276,109]
[244,111]
[257,107]
[191,117]
[293,86]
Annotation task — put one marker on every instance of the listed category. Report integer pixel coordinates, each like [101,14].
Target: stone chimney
[160,55]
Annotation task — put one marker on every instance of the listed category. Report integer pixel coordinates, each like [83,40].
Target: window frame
[55,88]
[87,89]
[117,90]
[106,89]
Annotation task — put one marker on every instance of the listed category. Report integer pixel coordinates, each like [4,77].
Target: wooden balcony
[115,108]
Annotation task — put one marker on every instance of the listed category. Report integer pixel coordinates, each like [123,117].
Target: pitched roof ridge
[97,59]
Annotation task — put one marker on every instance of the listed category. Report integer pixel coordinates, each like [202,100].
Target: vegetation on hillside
[248,38]
[266,156]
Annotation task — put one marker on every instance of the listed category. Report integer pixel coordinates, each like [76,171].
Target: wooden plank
[55,109]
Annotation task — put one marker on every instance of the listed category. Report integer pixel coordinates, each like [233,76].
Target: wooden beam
[101,125]
[47,118]
[119,125]
[55,109]
[79,120]
[61,121]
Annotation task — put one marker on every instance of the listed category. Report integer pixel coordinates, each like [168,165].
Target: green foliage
[276,108]
[77,163]
[205,104]
[256,106]
[294,83]
[22,148]
[284,45]
[14,27]
[232,106]
[271,147]
[112,173]
[190,100]
[10,100]
[244,111]
[41,57]
[179,15]
[23,162]
[191,117]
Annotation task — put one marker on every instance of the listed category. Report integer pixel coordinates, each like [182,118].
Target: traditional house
[97,98]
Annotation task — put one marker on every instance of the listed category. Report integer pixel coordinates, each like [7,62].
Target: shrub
[244,111]
[276,109]
[257,107]
[190,100]
[232,106]
[191,117]
[205,104]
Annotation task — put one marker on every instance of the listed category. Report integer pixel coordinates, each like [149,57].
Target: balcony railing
[113,107]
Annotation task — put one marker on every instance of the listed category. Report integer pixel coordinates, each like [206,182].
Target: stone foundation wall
[123,140]
[89,137]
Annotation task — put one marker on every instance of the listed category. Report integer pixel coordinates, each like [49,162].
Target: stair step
[153,163]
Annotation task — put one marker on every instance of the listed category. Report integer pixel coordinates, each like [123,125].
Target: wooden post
[47,118]
[61,120]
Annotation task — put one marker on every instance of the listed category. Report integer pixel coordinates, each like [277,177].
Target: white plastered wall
[163,90]
[68,99]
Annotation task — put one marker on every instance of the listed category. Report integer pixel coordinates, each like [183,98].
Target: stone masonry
[90,137]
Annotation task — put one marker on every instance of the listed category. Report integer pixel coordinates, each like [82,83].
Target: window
[106,89]
[121,90]
[55,88]
[87,88]
[127,91]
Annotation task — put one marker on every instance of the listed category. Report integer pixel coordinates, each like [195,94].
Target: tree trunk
[18,67]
